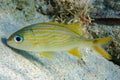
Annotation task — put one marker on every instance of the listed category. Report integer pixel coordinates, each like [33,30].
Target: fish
[46,38]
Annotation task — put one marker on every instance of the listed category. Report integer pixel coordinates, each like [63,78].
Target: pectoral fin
[47,54]
[75,52]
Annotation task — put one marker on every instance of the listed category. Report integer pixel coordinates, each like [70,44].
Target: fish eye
[18,38]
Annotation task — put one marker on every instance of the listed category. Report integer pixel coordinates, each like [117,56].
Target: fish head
[18,40]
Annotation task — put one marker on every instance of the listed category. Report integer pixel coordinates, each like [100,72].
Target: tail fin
[97,46]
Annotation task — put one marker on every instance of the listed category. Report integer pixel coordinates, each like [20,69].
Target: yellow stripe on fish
[49,37]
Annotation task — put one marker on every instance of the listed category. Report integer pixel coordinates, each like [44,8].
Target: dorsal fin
[76,27]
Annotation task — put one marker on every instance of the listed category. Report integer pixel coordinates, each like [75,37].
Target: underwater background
[98,18]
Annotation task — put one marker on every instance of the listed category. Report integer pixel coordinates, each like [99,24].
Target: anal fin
[75,52]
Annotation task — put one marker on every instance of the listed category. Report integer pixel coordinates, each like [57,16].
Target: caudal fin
[97,46]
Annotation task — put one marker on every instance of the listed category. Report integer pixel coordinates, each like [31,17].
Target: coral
[66,11]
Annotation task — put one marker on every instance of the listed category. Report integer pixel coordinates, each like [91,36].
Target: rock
[105,9]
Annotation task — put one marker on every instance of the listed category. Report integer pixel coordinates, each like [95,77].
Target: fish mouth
[5,41]
[8,43]
[9,40]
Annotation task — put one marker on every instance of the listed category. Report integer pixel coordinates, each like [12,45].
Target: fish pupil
[18,38]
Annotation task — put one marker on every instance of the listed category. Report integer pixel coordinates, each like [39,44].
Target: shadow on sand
[23,53]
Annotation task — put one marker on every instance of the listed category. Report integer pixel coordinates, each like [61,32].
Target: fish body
[51,37]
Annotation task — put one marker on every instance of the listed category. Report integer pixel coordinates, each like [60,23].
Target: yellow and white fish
[49,37]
